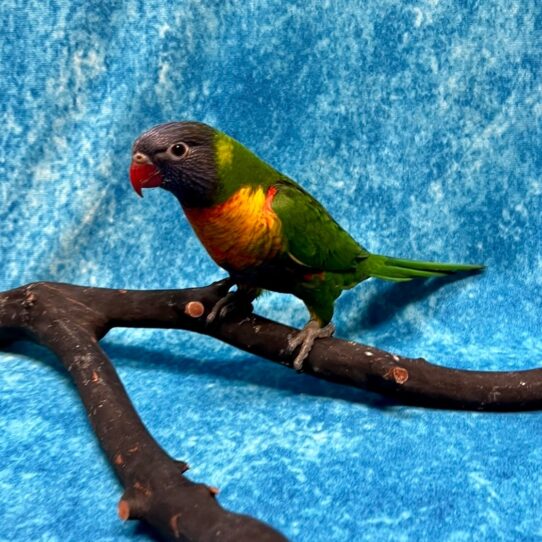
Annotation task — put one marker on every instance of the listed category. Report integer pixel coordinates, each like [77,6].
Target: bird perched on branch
[260,226]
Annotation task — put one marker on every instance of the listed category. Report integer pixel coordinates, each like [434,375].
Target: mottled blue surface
[417,123]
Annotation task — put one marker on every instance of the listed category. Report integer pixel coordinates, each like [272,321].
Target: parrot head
[179,157]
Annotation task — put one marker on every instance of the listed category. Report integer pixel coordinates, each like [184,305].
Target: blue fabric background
[417,123]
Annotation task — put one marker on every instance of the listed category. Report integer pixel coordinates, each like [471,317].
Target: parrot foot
[306,338]
[239,302]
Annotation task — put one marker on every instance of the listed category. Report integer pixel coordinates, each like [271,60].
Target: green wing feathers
[315,240]
[312,237]
[399,270]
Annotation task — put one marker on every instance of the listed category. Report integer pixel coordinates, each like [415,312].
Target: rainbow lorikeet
[260,226]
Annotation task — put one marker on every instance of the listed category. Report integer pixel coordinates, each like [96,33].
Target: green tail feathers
[399,270]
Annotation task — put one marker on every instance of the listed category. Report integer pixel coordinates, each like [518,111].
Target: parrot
[263,228]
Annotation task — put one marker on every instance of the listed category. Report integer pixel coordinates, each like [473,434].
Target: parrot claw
[239,302]
[306,338]
[224,306]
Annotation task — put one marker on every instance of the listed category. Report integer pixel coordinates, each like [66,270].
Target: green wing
[311,235]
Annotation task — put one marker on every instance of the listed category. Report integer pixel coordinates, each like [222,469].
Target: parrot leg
[239,301]
[306,337]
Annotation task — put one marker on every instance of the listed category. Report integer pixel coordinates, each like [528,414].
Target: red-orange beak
[144,175]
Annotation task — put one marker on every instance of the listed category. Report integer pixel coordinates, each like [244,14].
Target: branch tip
[214,491]
[194,309]
[133,505]
[123,510]
[398,374]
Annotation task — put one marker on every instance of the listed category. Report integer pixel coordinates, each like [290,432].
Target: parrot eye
[178,150]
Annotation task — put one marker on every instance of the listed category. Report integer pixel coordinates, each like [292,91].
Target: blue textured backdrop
[417,123]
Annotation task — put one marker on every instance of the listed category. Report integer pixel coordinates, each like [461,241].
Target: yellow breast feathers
[241,232]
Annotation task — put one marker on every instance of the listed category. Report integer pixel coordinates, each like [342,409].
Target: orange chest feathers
[241,232]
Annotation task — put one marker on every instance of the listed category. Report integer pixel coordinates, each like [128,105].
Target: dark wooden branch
[70,320]
[65,319]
